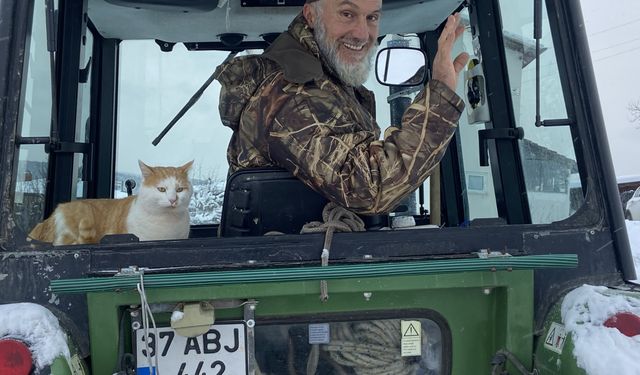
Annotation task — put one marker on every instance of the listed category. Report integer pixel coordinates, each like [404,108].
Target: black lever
[500,133]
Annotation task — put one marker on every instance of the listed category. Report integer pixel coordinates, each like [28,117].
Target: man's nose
[361,29]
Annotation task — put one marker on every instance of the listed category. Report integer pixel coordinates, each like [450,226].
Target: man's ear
[309,14]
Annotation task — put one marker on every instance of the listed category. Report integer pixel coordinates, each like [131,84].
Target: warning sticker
[411,338]
[319,333]
[555,338]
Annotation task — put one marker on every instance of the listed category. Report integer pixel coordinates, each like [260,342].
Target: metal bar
[250,322]
[504,263]
[32,140]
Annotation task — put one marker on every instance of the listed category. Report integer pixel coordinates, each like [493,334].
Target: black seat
[257,201]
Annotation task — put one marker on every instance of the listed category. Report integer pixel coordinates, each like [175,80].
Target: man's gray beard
[353,74]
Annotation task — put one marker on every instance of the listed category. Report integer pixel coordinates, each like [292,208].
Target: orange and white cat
[160,211]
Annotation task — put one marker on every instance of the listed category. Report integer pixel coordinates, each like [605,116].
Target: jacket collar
[297,53]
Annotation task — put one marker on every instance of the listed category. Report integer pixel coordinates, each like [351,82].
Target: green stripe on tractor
[262,275]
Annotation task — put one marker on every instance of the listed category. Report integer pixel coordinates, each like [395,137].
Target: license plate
[220,351]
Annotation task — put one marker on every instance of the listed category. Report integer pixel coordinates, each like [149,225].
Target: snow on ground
[36,326]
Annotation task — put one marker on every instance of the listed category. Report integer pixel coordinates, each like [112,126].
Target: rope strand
[338,219]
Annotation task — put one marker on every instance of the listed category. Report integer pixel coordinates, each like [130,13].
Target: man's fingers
[452,30]
[460,62]
[450,25]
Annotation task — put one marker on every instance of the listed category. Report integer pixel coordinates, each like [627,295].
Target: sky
[613,29]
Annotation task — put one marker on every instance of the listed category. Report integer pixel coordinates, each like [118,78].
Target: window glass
[82,120]
[479,192]
[152,88]
[34,121]
[548,156]
[358,347]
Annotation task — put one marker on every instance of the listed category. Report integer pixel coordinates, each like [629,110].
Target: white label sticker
[411,341]
[319,333]
[555,338]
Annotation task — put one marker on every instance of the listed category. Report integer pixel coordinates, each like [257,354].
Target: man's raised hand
[446,69]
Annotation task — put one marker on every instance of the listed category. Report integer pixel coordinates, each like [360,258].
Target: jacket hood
[294,53]
[240,78]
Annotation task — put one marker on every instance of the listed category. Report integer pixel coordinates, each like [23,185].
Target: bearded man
[301,106]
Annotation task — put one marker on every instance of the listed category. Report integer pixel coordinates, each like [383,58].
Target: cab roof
[205,20]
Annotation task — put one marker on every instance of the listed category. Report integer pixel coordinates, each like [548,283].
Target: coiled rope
[370,348]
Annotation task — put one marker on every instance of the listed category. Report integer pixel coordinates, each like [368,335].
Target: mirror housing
[401,66]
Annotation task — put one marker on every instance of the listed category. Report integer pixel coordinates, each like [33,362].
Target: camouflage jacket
[287,108]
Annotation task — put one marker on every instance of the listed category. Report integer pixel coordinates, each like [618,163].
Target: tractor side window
[548,156]
[152,88]
[479,192]
[34,121]
[82,133]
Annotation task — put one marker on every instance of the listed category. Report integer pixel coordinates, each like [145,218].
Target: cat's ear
[145,169]
[185,168]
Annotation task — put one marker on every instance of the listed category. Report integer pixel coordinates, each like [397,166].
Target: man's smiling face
[346,32]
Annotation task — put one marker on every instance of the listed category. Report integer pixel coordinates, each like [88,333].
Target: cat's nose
[173,201]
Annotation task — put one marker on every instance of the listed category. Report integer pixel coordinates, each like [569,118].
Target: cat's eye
[179,189]
[162,189]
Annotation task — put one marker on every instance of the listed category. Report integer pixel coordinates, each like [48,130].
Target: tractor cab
[465,276]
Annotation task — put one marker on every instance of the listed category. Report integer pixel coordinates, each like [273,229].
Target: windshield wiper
[190,103]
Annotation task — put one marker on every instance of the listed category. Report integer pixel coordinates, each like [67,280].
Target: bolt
[252,307]
[135,325]
[486,291]
[368,256]
[251,261]
[134,313]
[592,232]
[76,256]
[251,323]
[367,295]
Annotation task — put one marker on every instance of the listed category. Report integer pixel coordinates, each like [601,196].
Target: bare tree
[634,109]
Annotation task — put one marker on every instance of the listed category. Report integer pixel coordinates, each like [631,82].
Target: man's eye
[374,18]
[162,189]
[347,14]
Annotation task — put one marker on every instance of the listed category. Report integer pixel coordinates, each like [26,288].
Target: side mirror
[401,66]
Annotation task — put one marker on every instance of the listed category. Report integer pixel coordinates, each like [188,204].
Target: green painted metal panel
[485,311]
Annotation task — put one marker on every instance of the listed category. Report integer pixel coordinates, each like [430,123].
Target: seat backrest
[257,201]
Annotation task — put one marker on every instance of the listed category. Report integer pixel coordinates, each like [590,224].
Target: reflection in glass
[400,66]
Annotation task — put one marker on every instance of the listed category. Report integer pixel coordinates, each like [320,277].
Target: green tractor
[466,276]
